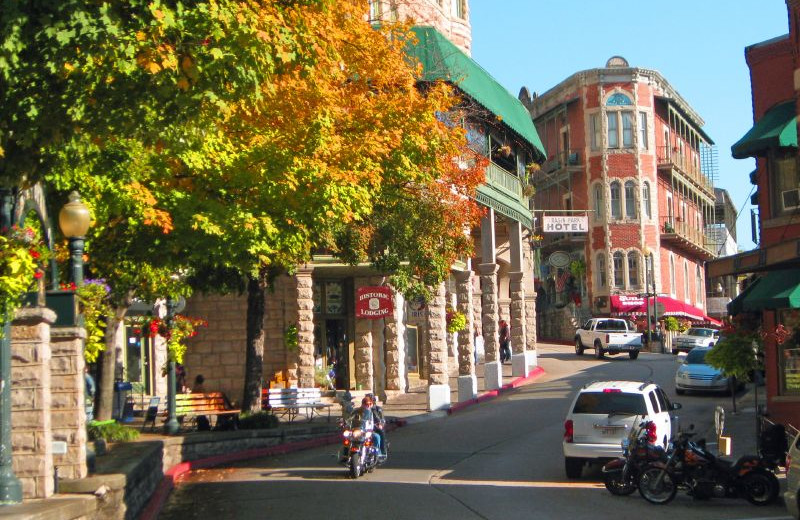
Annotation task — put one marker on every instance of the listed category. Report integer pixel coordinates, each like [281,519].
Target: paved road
[498,460]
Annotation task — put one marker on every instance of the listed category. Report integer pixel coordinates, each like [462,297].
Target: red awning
[635,305]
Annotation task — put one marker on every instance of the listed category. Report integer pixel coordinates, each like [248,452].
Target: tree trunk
[108,362]
[254,357]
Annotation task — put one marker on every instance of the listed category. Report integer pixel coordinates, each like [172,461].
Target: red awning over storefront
[635,306]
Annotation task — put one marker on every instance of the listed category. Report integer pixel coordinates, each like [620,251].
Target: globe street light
[74,220]
[171,427]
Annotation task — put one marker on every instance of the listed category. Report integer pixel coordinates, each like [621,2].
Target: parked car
[695,337]
[602,414]
[694,374]
[608,336]
[792,495]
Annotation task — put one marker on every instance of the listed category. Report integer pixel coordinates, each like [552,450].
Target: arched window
[672,275]
[699,287]
[616,201]
[599,203]
[620,121]
[619,269]
[601,270]
[375,10]
[633,269]
[630,200]
[685,280]
[616,100]
[648,210]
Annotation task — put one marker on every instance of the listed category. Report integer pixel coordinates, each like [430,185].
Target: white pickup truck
[608,336]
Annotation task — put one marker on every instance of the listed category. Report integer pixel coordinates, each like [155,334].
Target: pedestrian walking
[505,341]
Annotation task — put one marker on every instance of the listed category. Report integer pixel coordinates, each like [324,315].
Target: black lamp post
[171,427]
[74,220]
[10,485]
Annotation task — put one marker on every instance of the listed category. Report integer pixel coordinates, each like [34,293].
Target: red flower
[35,254]
[38,274]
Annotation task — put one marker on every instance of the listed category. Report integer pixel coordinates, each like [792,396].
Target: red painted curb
[533,375]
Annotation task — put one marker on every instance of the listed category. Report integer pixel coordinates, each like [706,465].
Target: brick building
[773,292]
[628,153]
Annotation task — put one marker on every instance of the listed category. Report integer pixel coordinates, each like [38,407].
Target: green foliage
[94,305]
[456,321]
[671,323]
[290,338]
[21,253]
[577,268]
[257,421]
[111,431]
[736,354]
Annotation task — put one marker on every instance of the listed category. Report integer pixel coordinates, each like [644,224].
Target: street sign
[553,224]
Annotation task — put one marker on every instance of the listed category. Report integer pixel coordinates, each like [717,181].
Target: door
[412,349]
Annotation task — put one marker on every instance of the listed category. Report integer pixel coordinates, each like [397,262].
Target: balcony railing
[667,156]
[674,227]
[504,181]
[561,160]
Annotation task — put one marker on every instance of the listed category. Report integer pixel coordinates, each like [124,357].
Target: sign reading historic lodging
[560,224]
[374,303]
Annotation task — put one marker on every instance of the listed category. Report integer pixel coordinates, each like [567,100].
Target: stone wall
[68,388]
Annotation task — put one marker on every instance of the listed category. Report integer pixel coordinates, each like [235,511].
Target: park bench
[188,407]
[290,402]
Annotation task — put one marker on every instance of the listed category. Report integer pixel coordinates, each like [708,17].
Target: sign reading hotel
[553,224]
[374,303]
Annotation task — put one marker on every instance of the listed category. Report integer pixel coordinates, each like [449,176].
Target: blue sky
[697,45]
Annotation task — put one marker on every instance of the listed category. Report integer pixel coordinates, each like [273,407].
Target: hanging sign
[374,303]
[553,224]
[559,259]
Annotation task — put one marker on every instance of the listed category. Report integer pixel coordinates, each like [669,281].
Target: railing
[503,180]
[667,156]
[562,160]
[676,226]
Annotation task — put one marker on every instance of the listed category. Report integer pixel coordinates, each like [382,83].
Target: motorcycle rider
[365,416]
[380,425]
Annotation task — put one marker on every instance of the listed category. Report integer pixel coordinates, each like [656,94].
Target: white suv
[602,414]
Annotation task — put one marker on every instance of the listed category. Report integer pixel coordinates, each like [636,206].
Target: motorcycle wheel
[759,487]
[655,488]
[355,465]
[615,484]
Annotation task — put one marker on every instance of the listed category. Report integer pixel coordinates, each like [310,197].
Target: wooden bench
[188,407]
[290,402]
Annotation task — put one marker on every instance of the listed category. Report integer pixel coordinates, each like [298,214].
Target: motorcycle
[621,475]
[359,453]
[690,466]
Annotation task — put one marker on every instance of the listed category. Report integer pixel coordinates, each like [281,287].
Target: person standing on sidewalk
[505,341]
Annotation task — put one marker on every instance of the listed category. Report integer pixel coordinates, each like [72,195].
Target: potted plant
[577,268]
[504,150]
[456,321]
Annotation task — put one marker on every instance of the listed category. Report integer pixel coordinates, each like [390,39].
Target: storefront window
[789,361]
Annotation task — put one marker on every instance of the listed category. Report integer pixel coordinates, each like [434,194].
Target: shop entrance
[333,330]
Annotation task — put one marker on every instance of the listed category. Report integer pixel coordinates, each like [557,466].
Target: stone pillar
[520,360]
[305,327]
[363,348]
[68,389]
[395,338]
[31,436]
[439,380]
[467,381]
[493,370]
[530,329]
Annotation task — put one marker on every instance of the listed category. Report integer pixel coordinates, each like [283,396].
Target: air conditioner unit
[791,199]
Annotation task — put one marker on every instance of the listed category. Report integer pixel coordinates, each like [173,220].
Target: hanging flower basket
[456,321]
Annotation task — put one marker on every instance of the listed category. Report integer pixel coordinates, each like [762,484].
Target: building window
[698,287]
[630,200]
[643,130]
[616,100]
[633,269]
[594,123]
[627,129]
[686,280]
[789,359]
[601,270]
[375,10]
[616,201]
[599,203]
[672,275]
[619,269]
[786,179]
[648,210]
[460,8]
[613,130]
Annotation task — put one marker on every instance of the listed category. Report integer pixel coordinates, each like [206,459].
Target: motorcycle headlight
[358,433]
[347,433]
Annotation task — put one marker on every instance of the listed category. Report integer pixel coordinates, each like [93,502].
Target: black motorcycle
[621,475]
[359,453]
[690,466]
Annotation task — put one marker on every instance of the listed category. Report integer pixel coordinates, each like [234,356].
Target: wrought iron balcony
[690,239]
[671,158]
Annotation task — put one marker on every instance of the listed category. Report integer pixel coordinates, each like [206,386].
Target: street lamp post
[74,220]
[171,427]
[10,485]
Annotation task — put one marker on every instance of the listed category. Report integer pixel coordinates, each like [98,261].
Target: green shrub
[111,431]
[671,323]
[257,421]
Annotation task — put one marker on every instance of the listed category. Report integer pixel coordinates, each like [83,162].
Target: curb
[159,497]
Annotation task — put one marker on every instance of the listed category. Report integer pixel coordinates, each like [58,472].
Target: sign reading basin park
[554,224]
[374,303]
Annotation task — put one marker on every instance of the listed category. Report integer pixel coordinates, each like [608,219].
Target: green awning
[775,290]
[441,60]
[736,305]
[777,128]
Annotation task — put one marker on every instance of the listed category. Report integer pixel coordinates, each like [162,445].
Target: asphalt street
[500,459]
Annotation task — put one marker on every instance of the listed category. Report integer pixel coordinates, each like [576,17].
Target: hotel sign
[553,224]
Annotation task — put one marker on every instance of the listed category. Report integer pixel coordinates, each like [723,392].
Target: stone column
[31,401]
[520,363]
[363,348]
[467,381]
[439,380]
[396,347]
[378,351]
[305,327]
[68,388]
[530,329]
[493,370]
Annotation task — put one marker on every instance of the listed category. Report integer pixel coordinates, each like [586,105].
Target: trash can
[122,390]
